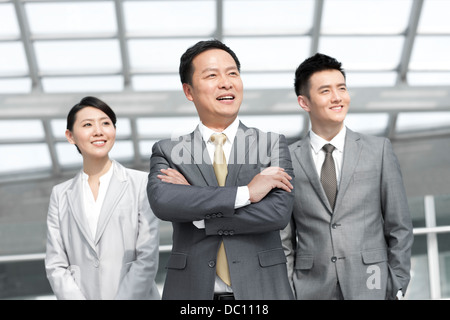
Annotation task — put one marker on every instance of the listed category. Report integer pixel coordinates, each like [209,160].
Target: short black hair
[316,63]
[186,69]
[89,102]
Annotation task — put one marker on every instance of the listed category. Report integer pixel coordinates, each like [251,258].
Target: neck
[327,132]
[219,125]
[96,167]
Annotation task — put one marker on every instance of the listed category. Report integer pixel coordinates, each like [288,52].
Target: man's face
[216,89]
[328,100]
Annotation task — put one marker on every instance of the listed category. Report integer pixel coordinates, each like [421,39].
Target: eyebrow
[329,85]
[102,118]
[217,69]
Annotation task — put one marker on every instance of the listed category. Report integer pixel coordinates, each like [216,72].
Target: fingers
[172,176]
[280,177]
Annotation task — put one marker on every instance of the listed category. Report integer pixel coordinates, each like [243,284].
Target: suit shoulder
[372,139]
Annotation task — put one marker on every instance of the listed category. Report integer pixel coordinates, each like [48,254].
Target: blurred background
[53,53]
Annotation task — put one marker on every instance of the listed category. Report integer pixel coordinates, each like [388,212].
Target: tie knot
[218,139]
[328,148]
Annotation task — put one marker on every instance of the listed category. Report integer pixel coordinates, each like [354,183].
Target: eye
[106,123]
[87,124]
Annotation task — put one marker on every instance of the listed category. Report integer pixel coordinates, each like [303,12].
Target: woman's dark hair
[89,102]
[186,69]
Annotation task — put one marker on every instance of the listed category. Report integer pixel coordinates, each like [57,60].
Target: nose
[336,97]
[225,82]
[98,130]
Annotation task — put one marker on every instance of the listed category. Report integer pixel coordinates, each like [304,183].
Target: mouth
[99,143]
[337,108]
[226,97]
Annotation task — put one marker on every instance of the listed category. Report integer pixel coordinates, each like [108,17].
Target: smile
[227,97]
[99,143]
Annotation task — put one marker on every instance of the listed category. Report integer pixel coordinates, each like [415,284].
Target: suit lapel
[303,154]
[114,193]
[75,200]
[194,145]
[243,142]
[352,151]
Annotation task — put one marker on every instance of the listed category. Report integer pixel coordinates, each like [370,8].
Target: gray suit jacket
[365,244]
[251,234]
[121,261]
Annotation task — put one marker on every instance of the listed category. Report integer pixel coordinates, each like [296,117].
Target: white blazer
[122,260]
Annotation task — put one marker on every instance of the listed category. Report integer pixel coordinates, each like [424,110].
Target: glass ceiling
[65,47]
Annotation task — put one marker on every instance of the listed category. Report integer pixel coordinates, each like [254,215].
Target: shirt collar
[338,141]
[230,131]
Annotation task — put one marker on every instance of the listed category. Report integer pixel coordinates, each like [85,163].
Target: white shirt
[318,154]
[242,195]
[91,206]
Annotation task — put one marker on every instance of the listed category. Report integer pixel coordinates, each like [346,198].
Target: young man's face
[216,89]
[328,100]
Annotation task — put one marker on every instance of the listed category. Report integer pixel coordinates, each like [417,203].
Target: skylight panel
[21,129]
[170,18]
[365,17]
[434,17]
[19,157]
[156,83]
[12,59]
[420,121]
[431,53]
[267,17]
[160,55]
[8,21]
[429,78]
[10,86]
[166,127]
[364,53]
[83,84]
[369,123]
[268,80]
[270,53]
[370,79]
[78,57]
[68,18]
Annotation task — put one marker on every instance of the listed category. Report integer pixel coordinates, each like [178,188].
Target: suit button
[212,264]
[333,259]
[208,216]
[335,225]
[219,214]
[225,233]
[220,232]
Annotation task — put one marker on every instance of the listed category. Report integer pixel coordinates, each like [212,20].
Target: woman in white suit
[102,238]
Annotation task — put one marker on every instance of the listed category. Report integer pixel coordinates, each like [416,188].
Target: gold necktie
[221,171]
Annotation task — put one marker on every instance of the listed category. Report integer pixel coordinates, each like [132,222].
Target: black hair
[186,69]
[316,63]
[89,102]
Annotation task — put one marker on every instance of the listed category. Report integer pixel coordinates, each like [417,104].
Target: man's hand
[172,176]
[268,179]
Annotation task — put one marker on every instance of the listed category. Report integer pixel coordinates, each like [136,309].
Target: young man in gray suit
[351,233]
[234,196]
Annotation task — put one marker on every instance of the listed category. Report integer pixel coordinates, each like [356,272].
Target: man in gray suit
[244,212]
[351,235]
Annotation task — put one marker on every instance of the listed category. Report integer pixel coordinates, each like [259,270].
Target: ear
[69,136]
[187,89]
[304,103]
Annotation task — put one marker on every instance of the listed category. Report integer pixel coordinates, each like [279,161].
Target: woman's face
[93,132]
